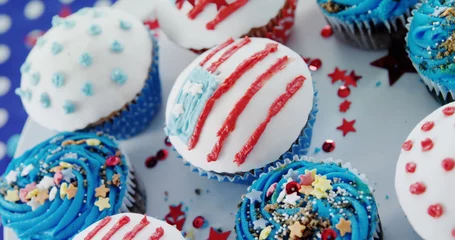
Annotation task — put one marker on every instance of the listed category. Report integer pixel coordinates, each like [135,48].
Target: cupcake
[200,24]
[369,24]
[130,226]
[65,184]
[424,173]
[95,70]
[228,108]
[431,49]
[308,199]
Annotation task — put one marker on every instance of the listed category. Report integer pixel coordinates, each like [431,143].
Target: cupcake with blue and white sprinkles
[309,199]
[94,70]
[65,184]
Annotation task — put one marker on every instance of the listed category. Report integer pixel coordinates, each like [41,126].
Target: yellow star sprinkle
[93,142]
[55,169]
[313,172]
[318,193]
[344,226]
[32,193]
[306,190]
[71,191]
[12,195]
[190,235]
[322,183]
[63,189]
[101,191]
[65,165]
[102,203]
[265,233]
[42,196]
[296,230]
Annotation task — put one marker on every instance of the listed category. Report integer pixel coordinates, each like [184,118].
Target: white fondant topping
[170,232]
[84,55]
[429,170]
[285,126]
[193,33]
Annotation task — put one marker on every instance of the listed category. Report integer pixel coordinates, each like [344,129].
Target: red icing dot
[417,188]
[162,154]
[448,164]
[112,161]
[407,145]
[411,167]
[344,91]
[328,146]
[315,64]
[199,222]
[151,162]
[329,234]
[449,111]
[292,187]
[427,145]
[326,31]
[167,142]
[427,126]
[435,210]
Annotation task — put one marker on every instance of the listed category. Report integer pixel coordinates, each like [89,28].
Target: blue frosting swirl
[349,199]
[430,42]
[82,158]
[358,11]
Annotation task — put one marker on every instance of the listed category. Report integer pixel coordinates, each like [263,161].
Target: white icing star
[69,155]
[260,224]
[11,177]
[281,196]
[45,183]
[292,198]
[68,174]
[196,88]
[27,170]
[33,204]
[52,194]
[291,174]
[178,110]
[254,196]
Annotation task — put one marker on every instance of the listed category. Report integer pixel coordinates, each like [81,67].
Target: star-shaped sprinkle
[32,193]
[293,175]
[26,170]
[58,176]
[102,203]
[52,194]
[265,233]
[195,89]
[86,60]
[177,110]
[344,226]
[322,183]
[254,196]
[116,179]
[119,77]
[347,127]
[318,193]
[354,76]
[12,195]
[56,48]
[33,204]
[69,107]
[260,224]
[101,191]
[344,106]
[87,89]
[58,79]
[337,75]
[71,191]
[68,174]
[63,189]
[94,30]
[307,190]
[296,230]
[11,177]
[42,196]
[215,235]
[312,171]
[271,190]
[23,192]
[306,179]
[116,47]
[46,183]
[45,100]
[34,80]
[292,199]
[93,142]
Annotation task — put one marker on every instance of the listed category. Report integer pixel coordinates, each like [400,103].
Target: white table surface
[385,116]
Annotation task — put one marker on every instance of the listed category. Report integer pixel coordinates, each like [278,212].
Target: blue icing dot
[118,76]
[85,60]
[24,94]
[125,25]
[58,80]
[68,107]
[25,67]
[56,20]
[11,145]
[45,100]
[94,30]
[69,24]
[87,89]
[82,11]
[116,47]
[56,48]
[35,78]
[40,41]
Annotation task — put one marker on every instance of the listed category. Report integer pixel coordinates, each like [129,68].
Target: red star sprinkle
[427,144]
[407,145]
[411,167]
[427,126]
[152,24]
[417,188]
[448,111]
[176,217]
[435,210]
[344,106]
[326,31]
[448,164]
[215,235]
[337,75]
[347,127]
[349,81]
[354,76]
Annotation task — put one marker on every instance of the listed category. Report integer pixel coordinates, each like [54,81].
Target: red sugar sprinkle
[292,187]
[411,167]
[417,188]
[315,64]
[427,126]
[167,142]
[112,161]
[198,222]
[448,164]
[329,234]
[407,145]
[448,111]
[427,145]
[435,210]
[326,31]
[162,154]
[344,91]
[151,162]
[328,146]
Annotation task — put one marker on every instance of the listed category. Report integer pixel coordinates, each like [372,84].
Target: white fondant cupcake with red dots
[425,173]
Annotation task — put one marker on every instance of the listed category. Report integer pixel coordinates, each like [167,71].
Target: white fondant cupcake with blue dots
[95,70]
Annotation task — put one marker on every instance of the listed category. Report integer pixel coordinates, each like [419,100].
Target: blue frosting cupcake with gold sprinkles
[95,70]
[308,199]
[65,184]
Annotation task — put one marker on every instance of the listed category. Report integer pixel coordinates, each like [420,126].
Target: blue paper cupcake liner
[299,147]
[136,116]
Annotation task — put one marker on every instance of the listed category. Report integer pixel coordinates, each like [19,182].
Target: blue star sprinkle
[94,30]
[254,196]
[68,107]
[85,60]
[35,78]
[125,25]
[291,174]
[24,94]
[118,76]
[116,47]
[69,24]
[45,100]
[87,89]
[58,80]
[40,41]
[56,48]
[68,174]
[25,67]
[56,20]
[82,11]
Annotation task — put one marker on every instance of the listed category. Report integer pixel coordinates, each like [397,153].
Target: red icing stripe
[274,109]
[225,86]
[142,224]
[159,232]
[216,50]
[226,55]
[98,227]
[200,6]
[225,12]
[229,124]
[122,222]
